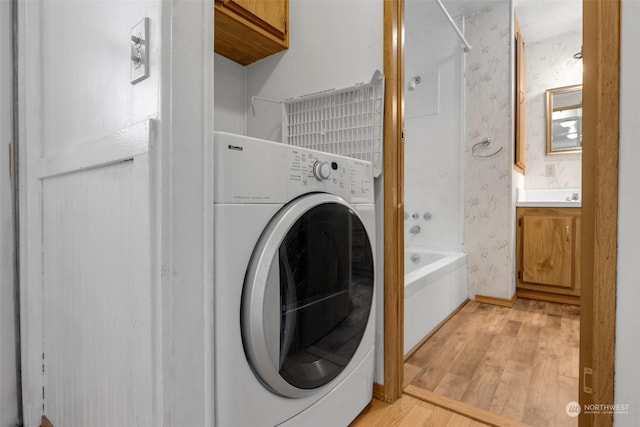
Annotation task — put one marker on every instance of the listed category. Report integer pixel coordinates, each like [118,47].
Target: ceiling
[539,19]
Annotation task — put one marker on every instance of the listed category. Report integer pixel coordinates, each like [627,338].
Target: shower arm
[467,46]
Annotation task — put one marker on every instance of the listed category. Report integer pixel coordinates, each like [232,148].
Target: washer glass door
[307,295]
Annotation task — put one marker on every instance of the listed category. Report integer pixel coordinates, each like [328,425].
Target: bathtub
[435,284]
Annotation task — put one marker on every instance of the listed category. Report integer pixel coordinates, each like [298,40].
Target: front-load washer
[294,284]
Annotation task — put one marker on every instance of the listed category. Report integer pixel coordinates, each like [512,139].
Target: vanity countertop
[551,198]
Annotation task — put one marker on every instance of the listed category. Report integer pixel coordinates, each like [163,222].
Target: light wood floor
[519,362]
[410,412]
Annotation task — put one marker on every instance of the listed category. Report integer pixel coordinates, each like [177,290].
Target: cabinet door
[548,245]
[268,14]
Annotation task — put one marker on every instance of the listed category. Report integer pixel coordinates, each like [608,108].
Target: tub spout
[415,229]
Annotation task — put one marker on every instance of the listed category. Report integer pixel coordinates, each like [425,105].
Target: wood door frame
[601,27]
[393,179]
[601,45]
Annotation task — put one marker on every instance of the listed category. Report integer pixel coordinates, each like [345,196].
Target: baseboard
[378,391]
[45,422]
[496,301]
[434,330]
[481,415]
[548,296]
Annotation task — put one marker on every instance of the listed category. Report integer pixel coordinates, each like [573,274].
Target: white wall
[627,372]
[85,102]
[550,64]
[8,399]
[489,209]
[230,87]
[332,45]
[433,131]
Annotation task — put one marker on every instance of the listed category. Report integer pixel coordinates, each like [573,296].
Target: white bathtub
[433,288]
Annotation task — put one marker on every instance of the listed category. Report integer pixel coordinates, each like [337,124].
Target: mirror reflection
[564,119]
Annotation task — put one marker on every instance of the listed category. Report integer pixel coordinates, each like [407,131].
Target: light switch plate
[140,51]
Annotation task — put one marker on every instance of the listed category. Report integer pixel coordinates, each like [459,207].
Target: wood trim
[520,104]
[601,42]
[547,296]
[393,201]
[378,391]
[434,330]
[45,422]
[461,408]
[496,301]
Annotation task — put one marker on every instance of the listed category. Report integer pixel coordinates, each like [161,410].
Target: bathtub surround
[550,64]
[489,197]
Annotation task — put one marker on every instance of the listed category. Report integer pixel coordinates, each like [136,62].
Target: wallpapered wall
[550,64]
[489,229]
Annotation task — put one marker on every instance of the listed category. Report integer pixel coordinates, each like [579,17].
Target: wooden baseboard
[378,391]
[548,296]
[461,408]
[496,301]
[45,422]
[434,330]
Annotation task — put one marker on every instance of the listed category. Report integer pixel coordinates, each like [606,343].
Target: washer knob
[321,170]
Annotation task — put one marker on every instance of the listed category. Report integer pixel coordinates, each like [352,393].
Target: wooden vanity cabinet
[548,253]
[249,30]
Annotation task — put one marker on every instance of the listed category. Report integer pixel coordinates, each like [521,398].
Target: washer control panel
[310,170]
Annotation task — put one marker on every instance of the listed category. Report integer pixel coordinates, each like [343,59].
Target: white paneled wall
[97,299]
[8,397]
[434,119]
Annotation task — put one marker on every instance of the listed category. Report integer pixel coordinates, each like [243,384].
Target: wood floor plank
[462,408]
[542,394]
[526,344]
[429,378]
[482,388]
[452,386]
[409,411]
[518,362]
[567,392]
[511,394]
[511,328]
[467,361]
[410,372]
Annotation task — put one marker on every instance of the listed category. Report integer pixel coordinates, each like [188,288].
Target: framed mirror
[564,120]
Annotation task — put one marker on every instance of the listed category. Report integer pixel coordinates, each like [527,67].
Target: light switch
[140,51]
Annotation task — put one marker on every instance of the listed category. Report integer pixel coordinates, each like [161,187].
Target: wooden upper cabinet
[548,249]
[249,30]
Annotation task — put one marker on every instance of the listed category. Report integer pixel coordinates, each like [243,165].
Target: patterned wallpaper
[489,204]
[550,64]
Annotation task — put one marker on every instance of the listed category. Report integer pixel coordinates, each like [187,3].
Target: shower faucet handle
[415,216]
[406,216]
[427,216]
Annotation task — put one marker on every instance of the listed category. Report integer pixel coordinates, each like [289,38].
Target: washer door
[307,295]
